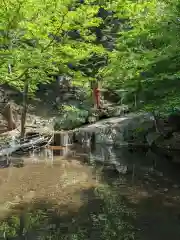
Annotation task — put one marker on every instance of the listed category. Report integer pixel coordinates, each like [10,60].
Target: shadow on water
[149,183]
[138,198]
[99,217]
[128,162]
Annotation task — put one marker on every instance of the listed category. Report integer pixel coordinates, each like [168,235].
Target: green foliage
[35,42]
[146,58]
[70,117]
[41,39]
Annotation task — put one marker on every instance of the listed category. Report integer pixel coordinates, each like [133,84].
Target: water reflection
[127,161]
[153,168]
[123,159]
[120,158]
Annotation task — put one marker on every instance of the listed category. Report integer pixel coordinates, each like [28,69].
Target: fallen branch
[24,146]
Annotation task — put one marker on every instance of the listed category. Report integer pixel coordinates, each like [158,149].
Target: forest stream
[73,197]
[104,76]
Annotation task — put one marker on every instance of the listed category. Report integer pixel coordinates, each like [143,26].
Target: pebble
[165,190]
[160,174]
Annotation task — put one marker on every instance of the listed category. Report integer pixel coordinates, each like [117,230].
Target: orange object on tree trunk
[97,96]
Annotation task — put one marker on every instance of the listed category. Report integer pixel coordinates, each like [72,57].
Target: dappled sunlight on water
[47,181]
[75,188]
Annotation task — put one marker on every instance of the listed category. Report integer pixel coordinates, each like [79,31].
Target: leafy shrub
[70,117]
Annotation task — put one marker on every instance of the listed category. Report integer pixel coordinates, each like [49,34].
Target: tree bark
[8,115]
[25,106]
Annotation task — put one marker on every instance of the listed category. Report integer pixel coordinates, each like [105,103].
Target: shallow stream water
[53,190]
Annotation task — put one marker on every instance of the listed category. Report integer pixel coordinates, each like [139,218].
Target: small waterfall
[49,156]
[65,141]
[14,143]
[62,142]
[34,156]
[86,139]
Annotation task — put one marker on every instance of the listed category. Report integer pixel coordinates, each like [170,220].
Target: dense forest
[63,53]
[130,47]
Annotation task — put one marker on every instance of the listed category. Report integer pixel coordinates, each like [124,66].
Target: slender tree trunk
[8,114]
[135,100]
[25,106]
[156,123]
[11,122]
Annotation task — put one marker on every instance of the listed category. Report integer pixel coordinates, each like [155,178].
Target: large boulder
[119,131]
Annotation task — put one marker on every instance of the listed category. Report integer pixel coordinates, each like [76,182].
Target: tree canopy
[35,38]
[131,45]
[146,58]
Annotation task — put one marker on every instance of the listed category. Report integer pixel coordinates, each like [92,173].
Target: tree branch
[60,27]
[46,47]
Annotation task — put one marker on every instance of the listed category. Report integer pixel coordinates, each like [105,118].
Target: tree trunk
[157,124]
[135,100]
[8,115]
[25,106]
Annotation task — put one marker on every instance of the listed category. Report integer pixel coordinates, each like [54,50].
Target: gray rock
[152,137]
[120,130]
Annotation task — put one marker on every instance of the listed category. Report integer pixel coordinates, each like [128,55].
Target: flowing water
[83,193]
